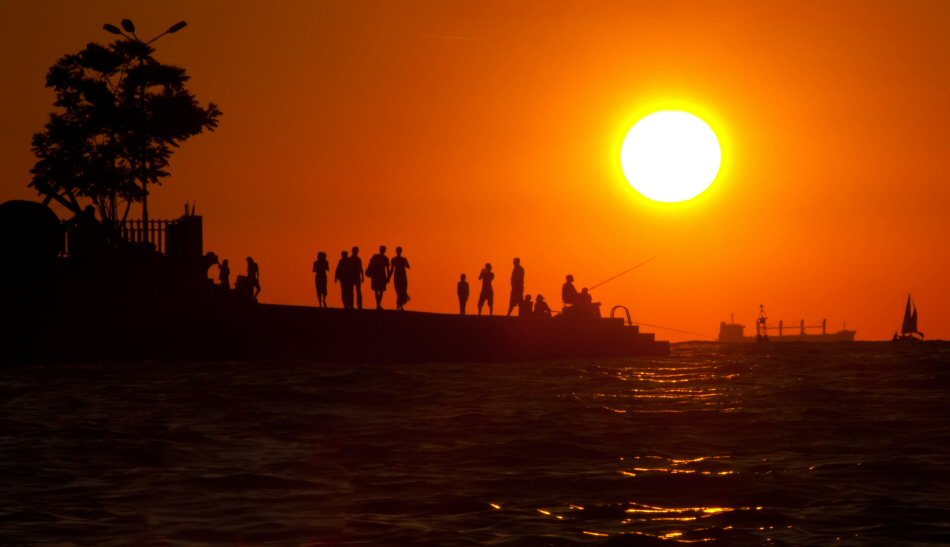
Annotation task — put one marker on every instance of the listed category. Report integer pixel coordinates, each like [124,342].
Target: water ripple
[785,445]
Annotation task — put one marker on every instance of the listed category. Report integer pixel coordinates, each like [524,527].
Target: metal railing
[154,232]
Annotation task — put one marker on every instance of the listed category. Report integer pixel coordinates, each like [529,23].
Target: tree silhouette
[121,114]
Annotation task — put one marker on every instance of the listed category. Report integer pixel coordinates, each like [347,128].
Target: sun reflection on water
[649,396]
[649,387]
[656,521]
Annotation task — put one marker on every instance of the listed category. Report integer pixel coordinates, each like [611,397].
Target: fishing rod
[628,270]
[705,336]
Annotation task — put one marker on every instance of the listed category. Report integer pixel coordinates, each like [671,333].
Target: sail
[910,318]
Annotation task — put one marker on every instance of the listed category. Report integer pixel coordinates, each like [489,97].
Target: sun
[671,156]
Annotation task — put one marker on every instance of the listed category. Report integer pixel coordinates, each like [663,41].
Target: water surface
[733,445]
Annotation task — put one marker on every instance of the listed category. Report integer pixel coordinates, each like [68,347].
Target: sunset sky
[473,132]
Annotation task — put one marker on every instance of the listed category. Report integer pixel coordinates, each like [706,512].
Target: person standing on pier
[462,291]
[569,292]
[224,274]
[342,276]
[321,269]
[254,276]
[400,278]
[517,286]
[379,273]
[356,273]
[487,294]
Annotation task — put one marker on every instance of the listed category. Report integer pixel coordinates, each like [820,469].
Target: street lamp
[129,27]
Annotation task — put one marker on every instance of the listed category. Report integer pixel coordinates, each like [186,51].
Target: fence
[179,237]
[154,232]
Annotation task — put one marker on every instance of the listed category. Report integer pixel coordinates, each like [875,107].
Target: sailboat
[909,330]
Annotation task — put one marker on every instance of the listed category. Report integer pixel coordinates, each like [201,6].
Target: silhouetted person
[342,276]
[210,259]
[378,272]
[541,308]
[86,237]
[400,278]
[254,276]
[568,292]
[487,294]
[224,274]
[586,304]
[462,291]
[526,307]
[517,286]
[356,274]
[321,270]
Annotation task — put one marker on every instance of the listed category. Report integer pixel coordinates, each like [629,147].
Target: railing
[154,232]
[179,237]
[625,311]
[802,327]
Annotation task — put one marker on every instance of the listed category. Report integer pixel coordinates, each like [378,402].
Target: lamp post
[129,27]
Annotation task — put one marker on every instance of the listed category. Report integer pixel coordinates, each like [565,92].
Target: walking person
[321,270]
[400,278]
[342,276]
[356,273]
[462,290]
[517,286]
[487,294]
[378,272]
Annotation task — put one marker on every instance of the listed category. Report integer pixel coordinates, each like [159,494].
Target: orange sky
[478,131]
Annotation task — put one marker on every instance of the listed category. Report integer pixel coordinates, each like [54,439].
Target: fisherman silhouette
[400,278]
[487,294]
[586,305]
[224,273]
[321,269]
[517,286]
[525,308]
[462,291]
[568,292]
[342,276]
[379,273]
[356,273]
[254,276]
[541,308]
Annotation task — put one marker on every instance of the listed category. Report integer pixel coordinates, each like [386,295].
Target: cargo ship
[734,333]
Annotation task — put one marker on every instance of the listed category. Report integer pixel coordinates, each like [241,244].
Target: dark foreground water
[788,445]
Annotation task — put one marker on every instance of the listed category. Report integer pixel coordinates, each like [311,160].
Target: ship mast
[761,329]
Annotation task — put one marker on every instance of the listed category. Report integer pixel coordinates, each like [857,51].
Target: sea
[781,444]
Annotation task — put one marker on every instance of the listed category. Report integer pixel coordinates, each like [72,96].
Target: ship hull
[840,336]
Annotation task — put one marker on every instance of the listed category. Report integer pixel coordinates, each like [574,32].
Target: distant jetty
[264,331]
[144,293]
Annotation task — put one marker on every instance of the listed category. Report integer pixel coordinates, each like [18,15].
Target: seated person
[568,292]
[525,306]
[586,305]
[541,308]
